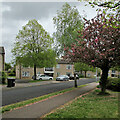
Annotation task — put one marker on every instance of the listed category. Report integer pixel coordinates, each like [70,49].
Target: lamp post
[75,79]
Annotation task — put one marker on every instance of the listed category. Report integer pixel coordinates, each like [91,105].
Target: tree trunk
[20,76]
[103,80]
[85,73]
[34,71]
[81,72]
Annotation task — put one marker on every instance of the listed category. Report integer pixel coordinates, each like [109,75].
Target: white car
[62,78]
[37,76]
[45,77]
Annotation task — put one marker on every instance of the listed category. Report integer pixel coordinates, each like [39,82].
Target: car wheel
[40,79]
[50,79]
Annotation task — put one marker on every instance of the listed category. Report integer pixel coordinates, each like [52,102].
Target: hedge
[114,84]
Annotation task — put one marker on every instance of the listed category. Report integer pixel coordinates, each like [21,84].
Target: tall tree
[33,46]
[7,66]
[67,22]
[100,47]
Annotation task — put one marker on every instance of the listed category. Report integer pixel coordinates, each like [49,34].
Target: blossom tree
[100,47]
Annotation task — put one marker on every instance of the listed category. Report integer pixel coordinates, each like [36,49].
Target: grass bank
[91,105]
[34,100]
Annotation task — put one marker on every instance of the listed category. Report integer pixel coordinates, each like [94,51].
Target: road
[20,94]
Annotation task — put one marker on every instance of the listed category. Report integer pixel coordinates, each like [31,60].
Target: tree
[67,22]
[100,47]
[3,77]
[104,3]
[7,66]
[33,46]
[79,66]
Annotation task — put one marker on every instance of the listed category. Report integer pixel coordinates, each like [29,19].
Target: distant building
[62,68]
[113,73]
[2,59]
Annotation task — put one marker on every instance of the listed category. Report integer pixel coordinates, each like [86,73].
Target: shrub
[3,77]
[81,76]
[114,84]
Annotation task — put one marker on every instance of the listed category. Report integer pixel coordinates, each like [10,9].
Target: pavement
[37,110]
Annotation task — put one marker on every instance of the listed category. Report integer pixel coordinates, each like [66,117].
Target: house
[113,73]
[2,59]
[62,68]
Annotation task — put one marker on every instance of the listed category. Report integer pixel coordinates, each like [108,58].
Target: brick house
[62,68]
[113,73]
[2,59]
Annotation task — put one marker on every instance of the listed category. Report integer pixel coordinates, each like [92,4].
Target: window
[38,72]
[88,75]
[113,71]
[49,69]
[25,74]
[57,66]
[58,74]
[68,73]
[69,67]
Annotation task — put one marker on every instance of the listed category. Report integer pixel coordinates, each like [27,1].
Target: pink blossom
[102,54]
[92,60]
[73,54]
[96,40]
[64,49]
[113,48]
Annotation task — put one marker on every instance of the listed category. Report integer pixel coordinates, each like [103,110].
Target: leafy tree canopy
[32,45]
[67,22]
[83,67]
[7,66]
[100,47]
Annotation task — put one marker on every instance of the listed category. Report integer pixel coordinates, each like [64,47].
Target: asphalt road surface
[20,94]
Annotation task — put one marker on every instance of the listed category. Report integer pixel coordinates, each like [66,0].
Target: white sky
[14,15]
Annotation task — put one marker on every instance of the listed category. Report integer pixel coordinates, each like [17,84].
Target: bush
[114,84]
[3,77]
[81,76]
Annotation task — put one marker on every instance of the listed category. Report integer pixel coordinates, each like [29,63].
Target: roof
[2,51]
[62,61]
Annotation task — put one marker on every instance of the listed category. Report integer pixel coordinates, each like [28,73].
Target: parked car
[62,78]
[45,77]
[37,76]
[72,77]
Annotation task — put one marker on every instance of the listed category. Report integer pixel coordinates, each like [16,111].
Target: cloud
[17,14]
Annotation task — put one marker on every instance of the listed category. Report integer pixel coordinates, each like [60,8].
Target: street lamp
[75,79]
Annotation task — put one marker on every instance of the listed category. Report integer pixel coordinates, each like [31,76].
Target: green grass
[91,105]
[23,103]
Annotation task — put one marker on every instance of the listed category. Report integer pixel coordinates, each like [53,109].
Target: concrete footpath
[41,108]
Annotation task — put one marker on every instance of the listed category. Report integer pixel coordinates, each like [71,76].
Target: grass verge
[91,105]
[34,100]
